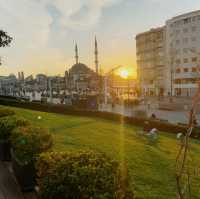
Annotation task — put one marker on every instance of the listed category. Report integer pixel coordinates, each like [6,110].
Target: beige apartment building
[168,58]
[183,49]
[150,61]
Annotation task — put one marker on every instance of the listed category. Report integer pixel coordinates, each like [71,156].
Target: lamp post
[171,80]
[173,53]
[50,90]
[128,89]
[106,83]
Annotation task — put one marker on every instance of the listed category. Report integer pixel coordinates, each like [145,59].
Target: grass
[151,164]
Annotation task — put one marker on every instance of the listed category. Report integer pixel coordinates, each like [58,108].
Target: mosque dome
[79,68]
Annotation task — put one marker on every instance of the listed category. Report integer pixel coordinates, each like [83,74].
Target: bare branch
[183,177]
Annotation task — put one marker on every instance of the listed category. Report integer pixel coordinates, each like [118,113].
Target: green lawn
[151,165]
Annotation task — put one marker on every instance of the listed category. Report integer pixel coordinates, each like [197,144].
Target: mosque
[80,77]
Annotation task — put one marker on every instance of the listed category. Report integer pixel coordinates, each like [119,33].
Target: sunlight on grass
[150,166]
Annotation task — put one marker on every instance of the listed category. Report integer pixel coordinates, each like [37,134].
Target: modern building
[183,54]
[168,58]
[151,61]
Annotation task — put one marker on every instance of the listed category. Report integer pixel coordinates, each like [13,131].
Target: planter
[5,150]
[24,173]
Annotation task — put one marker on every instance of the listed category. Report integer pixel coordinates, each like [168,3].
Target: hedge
[28,142]
[8,124]
[81,174]
[6,112]
[71,110]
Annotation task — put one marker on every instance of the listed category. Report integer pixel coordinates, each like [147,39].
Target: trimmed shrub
[8,124]
[6,112]
[28,142]
[82,174]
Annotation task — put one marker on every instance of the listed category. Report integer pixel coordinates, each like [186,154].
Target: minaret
[96,56]
[19,76]
[76,53]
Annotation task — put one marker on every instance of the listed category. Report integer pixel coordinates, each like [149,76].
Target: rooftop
[185,15]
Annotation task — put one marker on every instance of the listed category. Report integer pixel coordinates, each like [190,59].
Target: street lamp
[106,83]
[173,53]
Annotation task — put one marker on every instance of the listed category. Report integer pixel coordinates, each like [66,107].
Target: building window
[177,81]
[194,28]
[187,20]
[185,50]
[178,70]
[193,49]
[194,59]
[185,70]
[185,60]
[178,61]
[193,38]
[177,31]
[185,30]
[177,41]
[151,81]
[185,40]
[194,69]
[193,18]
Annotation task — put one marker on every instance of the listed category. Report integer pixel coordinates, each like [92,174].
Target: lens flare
[124,74]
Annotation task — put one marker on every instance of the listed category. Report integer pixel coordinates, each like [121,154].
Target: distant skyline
[45,31]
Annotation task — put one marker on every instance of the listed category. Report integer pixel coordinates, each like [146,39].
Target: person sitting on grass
[146,127]
[153,134]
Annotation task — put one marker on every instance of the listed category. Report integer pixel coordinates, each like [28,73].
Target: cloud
[31,23]
[78,14]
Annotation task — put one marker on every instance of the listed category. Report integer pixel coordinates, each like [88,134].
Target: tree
[5,40]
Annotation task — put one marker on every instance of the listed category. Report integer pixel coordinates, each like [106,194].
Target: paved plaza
[181,115]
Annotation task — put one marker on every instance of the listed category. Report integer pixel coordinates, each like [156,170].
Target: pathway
[9,188]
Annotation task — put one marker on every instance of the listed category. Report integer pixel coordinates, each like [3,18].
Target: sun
[124,73]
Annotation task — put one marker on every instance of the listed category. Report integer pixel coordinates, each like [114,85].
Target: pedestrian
[153,116]
[148,105]
[153,134]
